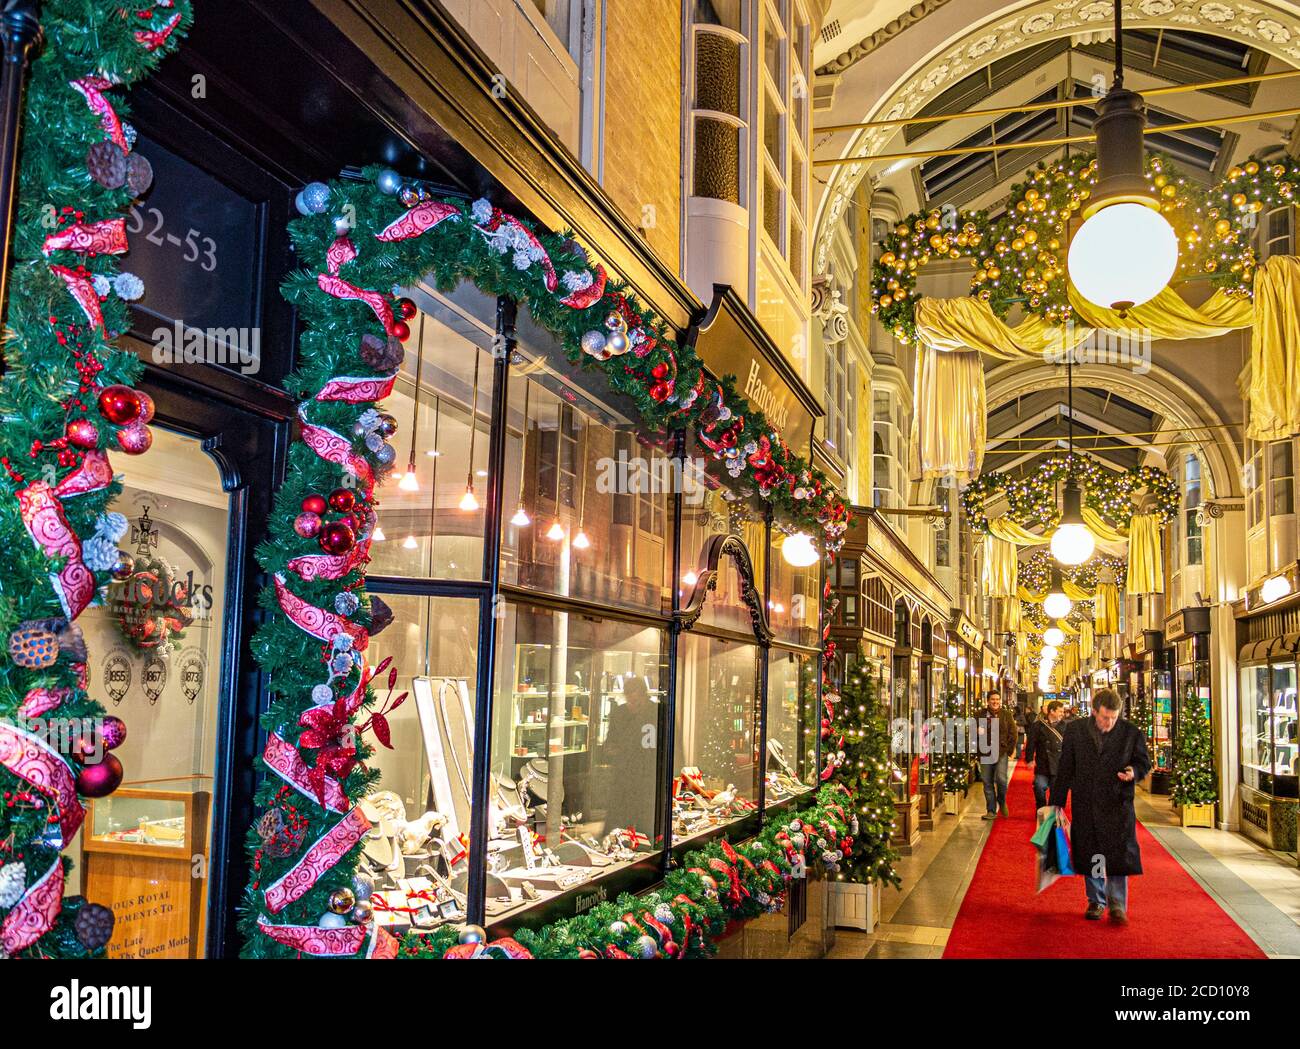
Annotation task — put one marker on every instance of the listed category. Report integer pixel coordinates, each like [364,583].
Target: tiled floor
[1258,888]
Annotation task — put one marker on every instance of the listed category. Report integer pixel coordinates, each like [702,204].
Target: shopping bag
[1062,852]
[1046,876]
[1046,825]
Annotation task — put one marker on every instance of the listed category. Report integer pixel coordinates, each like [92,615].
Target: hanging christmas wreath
[1019,259]
[1031,500]
[1035,571]
[151,605]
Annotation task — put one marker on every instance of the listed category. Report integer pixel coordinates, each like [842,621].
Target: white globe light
[1123,256]
[1049,653]
[1057,605]
[1053,635]
[1072,544]
[1275,588]
[798,550]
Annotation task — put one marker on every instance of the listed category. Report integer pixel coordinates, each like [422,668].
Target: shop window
[1268,728]
[577,724]
[715,510]
[844,575]
[793,608]
[1281,483]
[943,533]
[155,648]
[432,524]
[716,780]
[417,853]
[791,721]
[586,494]
[1191,501]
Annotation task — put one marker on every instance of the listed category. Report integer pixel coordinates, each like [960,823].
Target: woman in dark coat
[1102,759]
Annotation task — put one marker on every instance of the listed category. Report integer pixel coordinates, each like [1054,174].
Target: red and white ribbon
[284,760]
[317,622]
[152,39]
[40,701]
[383,944]
[590,295]
[356,389]
[420,219]
[334,285]
[106,237]
[327,566]
[33,760]
[335,448]
[313,940]
[341,251]
[35,912]
[81,289]
[92,89]
[323,855]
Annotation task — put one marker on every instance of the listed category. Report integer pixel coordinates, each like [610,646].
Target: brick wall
[643,118]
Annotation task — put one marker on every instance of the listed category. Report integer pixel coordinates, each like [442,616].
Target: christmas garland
[359,240]
[65,400]
[1035,571]
[1031,500]
[1019,259]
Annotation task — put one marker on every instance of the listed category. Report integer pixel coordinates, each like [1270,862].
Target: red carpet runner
[1170,915]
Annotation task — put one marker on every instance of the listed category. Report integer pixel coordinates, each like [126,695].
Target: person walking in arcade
[997,729]
[1102,759]
[1043,748]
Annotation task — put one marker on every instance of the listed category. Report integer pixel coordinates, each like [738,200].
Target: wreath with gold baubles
[1019,258]
[1031,500]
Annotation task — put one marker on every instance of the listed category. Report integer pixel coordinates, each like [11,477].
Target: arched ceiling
[892,60]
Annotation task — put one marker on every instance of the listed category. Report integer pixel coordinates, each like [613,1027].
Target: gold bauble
[1031,236]
[1256,206]
[1018,244]
[886,301]
[887,259]
[1169,192]
[1251,168]
[1239,200]
[1222,227]
[1234,173]
[932,221]
[900,294]
[1161,180]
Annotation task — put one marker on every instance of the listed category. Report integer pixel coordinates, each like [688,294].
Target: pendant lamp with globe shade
[1056,605]
[1072,543]
[1125,252]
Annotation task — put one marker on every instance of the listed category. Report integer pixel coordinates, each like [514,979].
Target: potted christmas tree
[863,731]
[1194,791]
[956,762]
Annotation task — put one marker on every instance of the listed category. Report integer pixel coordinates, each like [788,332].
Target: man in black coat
[1102,759]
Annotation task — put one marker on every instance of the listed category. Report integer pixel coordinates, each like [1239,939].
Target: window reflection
[575,745]
[717,711]
[791,724]
[417,853]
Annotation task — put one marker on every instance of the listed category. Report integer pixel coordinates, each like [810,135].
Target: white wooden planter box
[854,905]
[952,802]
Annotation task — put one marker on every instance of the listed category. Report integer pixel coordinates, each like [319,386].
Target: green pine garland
[55,362]
[1194,777]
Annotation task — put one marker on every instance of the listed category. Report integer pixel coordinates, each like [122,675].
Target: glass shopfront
[589,784]
[1268,727]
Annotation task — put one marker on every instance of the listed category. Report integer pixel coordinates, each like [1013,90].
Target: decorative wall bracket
[734,547]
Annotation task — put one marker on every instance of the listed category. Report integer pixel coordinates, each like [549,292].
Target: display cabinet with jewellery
[791,728]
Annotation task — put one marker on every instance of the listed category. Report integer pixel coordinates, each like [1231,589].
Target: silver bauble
[617,344]
[472,934]
[593,343]
[385,455]
[123,566]
[388,181]
[646,947]
[330,920]
[617,928]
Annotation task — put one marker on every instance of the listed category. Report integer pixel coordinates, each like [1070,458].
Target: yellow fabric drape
[1010,532]
[1169,316]
[1274,376]
[1100,529]
[1087,642]
[1105,613]
[948,415]
[1000,567]
[1146,567]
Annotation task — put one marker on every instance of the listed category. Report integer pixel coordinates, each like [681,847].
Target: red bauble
[343,499]
[336,538]
[120,405]
[406,309]
[82,433]
[314,504]
[135,439]
[353,521]
[659,391]
[146,407]
[113,732]
[401,331]
[307,524]
[660,370]
[101,779]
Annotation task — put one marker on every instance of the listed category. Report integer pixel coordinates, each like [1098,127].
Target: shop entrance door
[168,656]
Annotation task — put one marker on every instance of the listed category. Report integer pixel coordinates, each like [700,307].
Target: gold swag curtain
[1146,567]
[949,409]
[948,416]
[1105,613]
[1000,567]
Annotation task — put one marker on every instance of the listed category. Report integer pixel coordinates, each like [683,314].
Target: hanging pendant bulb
[798,550]
[1054,636]
[1072,543]
[521,518]
[690,578]
[580,541]
[1125,252]
[409,482]
[1049,653]
[468,502]
[409,543]
[556,532]
[378,535]
[1056,605]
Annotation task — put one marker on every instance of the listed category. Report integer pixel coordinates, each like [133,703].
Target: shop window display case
[1269,748]
[791,725]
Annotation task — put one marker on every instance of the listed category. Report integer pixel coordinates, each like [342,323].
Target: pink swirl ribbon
[334,285]
[355,389]
[92,89]
[107,237]
[33,760]
[35,912]
[324,854]
[327,566]
[335,448]
[313,940]
[317,622]
[284,760]
[81,289]
[420,219]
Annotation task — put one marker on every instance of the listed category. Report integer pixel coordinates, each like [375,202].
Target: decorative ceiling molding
[888,31]
[1268,26]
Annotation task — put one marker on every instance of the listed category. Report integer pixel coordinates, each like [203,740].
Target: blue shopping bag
[1061,852]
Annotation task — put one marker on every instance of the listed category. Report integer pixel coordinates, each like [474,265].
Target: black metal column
[765,654]
[21,28]
[503,348]
[668,713]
